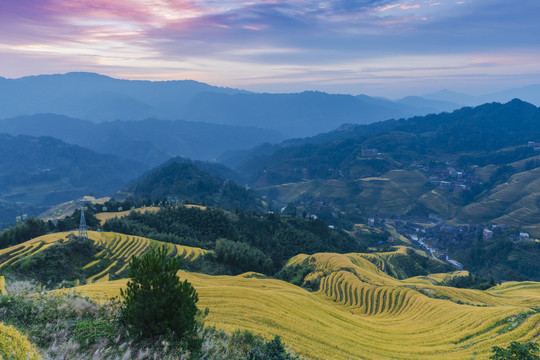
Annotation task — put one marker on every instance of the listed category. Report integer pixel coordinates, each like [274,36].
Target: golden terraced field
[110,263]
[362,313]
[104,216]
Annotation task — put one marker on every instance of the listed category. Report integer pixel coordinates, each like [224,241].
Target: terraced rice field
[104,216]
[362,313]
[110,263]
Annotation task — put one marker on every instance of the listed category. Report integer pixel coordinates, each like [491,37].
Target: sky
[374,47]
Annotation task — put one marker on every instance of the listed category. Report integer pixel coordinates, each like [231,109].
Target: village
[437,238]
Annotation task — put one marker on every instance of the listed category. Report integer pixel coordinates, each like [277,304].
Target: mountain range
[97,98]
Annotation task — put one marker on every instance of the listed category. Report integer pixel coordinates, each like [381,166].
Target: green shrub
[89,332]
[516,351]
[273,350]
[156,302]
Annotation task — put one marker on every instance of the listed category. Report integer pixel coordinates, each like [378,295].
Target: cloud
[231,40]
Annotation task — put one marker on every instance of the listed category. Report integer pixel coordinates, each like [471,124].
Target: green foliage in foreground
[156,302]
[516,351]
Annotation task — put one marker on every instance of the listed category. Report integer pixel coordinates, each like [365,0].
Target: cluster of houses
[490,232]
[534,145]
[451,179]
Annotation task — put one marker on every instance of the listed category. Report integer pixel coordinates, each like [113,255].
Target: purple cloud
[235,42]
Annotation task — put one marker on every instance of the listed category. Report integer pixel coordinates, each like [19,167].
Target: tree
[273,350]
[156,302]
[516,351]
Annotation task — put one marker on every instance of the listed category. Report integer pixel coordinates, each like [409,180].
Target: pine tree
[156,302]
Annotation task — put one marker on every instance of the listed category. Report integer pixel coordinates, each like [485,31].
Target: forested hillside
[185,181]
[46,171]
[243,241]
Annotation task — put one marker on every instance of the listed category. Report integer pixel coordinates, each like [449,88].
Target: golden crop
[360,312]
[112,261]
[15,346]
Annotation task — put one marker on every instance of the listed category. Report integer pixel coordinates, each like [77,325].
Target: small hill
[45,171]
[185,181]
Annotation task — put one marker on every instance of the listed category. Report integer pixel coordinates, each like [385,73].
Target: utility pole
[83,234]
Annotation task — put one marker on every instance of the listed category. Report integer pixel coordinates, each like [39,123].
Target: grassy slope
[396,189]
[511,203]
[361,312]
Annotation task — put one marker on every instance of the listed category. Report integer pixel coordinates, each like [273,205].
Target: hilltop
[186,181]
[389,302]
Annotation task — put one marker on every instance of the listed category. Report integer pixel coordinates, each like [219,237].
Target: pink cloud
[388,7]
[407,7]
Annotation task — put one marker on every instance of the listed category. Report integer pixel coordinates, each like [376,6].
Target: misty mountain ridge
[530,94]
[98,97]
[148,141]
[44,171]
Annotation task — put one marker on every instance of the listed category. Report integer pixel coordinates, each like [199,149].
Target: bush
[14,345]
[156,302]
[516,351]
[89,332]
[273,350]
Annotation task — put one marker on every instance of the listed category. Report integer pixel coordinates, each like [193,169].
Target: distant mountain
[97,97]
[453,97]
[486,128]
[529,93]
[187,182]
[296,115]
[44,171]
[147,141]
[428,106]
